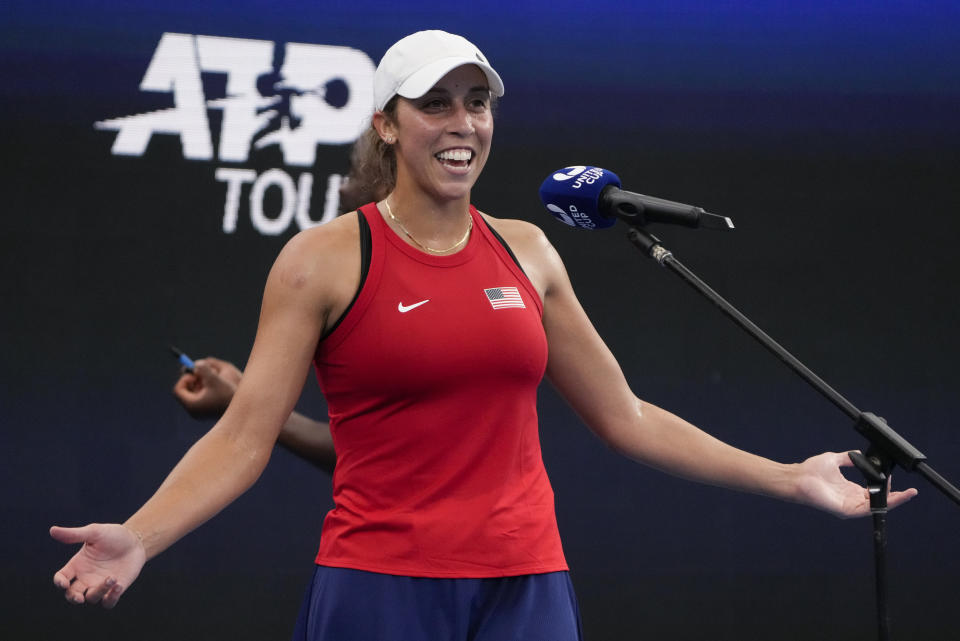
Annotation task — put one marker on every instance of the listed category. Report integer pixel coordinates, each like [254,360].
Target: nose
[461,121]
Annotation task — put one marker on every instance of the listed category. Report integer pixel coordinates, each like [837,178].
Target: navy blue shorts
[343,604]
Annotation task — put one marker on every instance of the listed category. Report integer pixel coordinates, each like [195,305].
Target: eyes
[474,102]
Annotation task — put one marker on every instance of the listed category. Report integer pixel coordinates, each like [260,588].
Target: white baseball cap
[413,65]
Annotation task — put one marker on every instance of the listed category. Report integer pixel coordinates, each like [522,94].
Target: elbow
[248,450]
[253,452]
[621,431]
[637,432]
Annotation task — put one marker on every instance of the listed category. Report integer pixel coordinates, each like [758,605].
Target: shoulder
[319,248]
[331,236]
[527,241]
[321,264]
[537,256]
[517,231]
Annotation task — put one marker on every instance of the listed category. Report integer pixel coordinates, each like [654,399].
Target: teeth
[458,155]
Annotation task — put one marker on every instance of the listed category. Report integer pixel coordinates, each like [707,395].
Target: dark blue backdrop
[830,135]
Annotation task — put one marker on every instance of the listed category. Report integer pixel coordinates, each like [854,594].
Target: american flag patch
[504,297]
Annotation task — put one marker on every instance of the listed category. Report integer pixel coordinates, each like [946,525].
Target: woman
[437,324]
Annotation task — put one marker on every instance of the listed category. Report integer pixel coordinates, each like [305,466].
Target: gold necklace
[466,234]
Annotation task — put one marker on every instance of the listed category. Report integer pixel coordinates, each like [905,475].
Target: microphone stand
[886,449]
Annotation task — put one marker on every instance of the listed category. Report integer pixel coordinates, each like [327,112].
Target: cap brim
[423,80]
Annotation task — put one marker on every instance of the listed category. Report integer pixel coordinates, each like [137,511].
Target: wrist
[800,485]
[781,481]
[137,533]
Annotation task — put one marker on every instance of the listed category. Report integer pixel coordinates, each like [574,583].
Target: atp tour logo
[309,75]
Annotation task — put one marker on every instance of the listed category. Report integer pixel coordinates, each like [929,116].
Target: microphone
[591,198]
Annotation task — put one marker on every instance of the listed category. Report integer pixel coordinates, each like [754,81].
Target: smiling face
[443,137]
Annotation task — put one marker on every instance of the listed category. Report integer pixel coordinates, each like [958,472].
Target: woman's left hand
[823,486]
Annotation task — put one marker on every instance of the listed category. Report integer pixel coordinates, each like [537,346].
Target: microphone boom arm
[886,446]
[886,449]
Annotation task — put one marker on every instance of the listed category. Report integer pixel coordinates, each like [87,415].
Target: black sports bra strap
[366,247]
[502,242]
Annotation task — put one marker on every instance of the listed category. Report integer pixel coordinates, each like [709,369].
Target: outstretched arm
[307,283]
[207,391]
[588,376]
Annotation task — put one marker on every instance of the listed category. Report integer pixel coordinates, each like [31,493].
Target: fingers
[204,374]
[844,460]
[828,460]
[112,596]
[63,577]
[899,498]
[212,362]
[74,593]
[223,369]
[97,593]
[107,593]
[186,385]
[206,366]
[207,372]
[78,591]
[209,369]
[73,534]
[216,387]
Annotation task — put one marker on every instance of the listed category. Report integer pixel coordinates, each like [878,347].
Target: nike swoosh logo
[403,309]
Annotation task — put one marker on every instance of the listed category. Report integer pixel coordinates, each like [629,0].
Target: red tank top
[431,381]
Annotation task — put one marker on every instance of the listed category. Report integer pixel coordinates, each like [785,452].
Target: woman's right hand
[207,391]
[101,571]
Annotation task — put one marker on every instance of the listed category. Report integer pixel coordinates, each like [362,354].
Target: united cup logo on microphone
[569,173]
[561,215]
[572,195]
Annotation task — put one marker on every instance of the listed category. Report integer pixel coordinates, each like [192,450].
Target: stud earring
[388,140]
